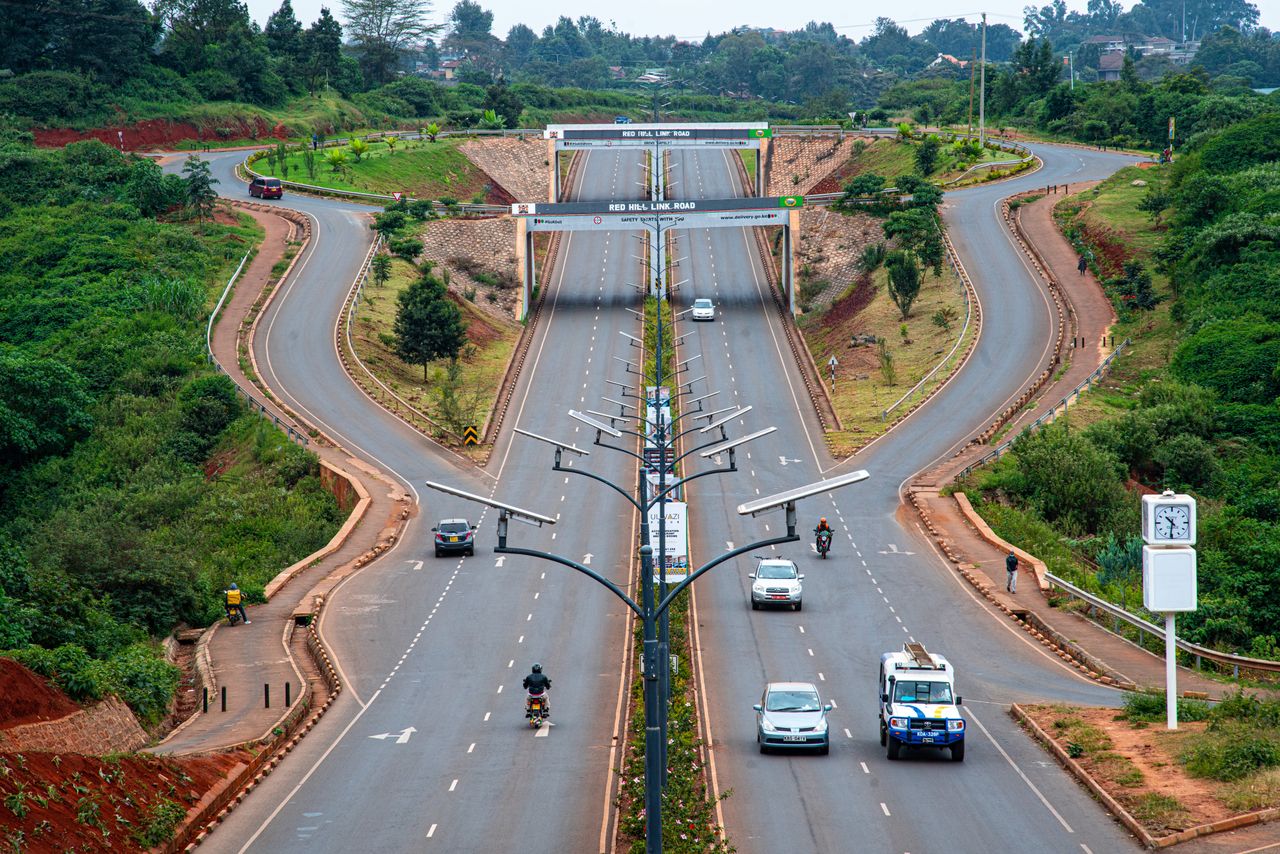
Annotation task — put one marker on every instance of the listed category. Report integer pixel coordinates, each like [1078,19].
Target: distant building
[1107,43]
[449,68]
[1109,65]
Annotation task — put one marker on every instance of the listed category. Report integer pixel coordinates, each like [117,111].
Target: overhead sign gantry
[665,135]
[656,218]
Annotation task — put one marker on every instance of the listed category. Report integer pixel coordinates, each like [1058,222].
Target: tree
[284,33]
[917,230]
[321,51]
[927,154]
[383,30]
[432,130]
[359,148]
[428,325]
[504,102]
[201,197]
[866,184]
[337,159]
[904,280]
[151,190]
[109,39]
[380,266]
[470,35]
[43,407]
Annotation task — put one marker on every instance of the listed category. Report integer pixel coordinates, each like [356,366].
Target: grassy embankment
[418,168]
[147,486]
[1222,760]
[483,361]
[870,378]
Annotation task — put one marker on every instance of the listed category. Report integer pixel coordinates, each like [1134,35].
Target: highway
[440,645]
[883,585]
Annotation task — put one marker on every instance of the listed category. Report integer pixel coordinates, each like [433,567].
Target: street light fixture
[733,443]
[560,446]
[720,422]
[791,496]
[598,425]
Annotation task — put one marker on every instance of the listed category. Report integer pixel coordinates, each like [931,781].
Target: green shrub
[1150,706]
[1231,755]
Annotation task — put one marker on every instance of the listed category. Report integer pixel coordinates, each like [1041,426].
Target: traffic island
[1219,771]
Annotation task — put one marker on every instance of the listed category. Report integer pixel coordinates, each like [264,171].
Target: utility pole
[973,62]
[982,88]
[1071,65]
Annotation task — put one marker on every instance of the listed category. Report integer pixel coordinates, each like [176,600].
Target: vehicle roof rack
[919,655]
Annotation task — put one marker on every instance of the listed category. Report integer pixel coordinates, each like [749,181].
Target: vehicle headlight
[822,726]
[766,726]
[758,588]
[955,726]
[898,723]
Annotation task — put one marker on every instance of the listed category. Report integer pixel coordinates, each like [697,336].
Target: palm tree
[336,159]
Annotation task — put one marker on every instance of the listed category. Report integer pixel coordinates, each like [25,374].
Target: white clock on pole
[1169,519]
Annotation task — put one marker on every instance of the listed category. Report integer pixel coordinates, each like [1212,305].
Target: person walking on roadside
[1011,569]
[1083,265]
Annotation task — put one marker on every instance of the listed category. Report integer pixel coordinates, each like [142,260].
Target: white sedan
[703,309]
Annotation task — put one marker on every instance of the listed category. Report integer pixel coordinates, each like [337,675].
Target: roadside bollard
[266,696]
[286,695]
[204,703]
[224,698]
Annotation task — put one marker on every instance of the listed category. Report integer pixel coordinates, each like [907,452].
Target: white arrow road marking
[728,544]
[893,550]
[417,564]
[499,560]
[544,730]
[586,559]
[401,737]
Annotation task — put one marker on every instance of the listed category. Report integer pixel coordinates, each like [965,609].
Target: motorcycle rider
[235,602]
[824,528]
[538,684]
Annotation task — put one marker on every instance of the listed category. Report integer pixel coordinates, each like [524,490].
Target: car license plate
[453,539]
[779,596]
[928,739]
[793,738]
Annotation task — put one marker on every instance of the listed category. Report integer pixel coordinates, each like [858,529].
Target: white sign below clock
[1169,519]
[1169,579]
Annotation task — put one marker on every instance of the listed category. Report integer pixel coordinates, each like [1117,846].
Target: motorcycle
[537,708]
[824,543]
[233,615]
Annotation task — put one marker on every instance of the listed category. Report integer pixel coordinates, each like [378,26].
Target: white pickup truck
[918,704]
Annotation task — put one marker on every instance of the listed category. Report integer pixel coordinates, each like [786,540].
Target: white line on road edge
[1025,778]
[307,776]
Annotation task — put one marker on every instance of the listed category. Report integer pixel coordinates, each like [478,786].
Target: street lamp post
[656,596]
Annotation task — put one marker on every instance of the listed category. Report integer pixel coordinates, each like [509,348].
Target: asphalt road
[883,584]
[440,645]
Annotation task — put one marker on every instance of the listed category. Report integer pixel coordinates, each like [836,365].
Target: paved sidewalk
[245,657]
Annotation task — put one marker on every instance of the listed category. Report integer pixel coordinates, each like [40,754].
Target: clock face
[1172,522]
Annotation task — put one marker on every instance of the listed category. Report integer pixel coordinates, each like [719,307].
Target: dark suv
[266,188]
[455,535]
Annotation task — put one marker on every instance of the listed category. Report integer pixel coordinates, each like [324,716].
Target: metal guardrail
[293,434]
[1226,659]
[1049,416]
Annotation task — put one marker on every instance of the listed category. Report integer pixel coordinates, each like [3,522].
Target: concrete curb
[339,539]
[984,530]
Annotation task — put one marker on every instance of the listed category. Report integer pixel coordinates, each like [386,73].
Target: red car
[266,188]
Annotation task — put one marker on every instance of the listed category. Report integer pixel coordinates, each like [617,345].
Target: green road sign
[791,201]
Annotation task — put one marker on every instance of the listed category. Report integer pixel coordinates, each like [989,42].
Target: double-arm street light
[654,606]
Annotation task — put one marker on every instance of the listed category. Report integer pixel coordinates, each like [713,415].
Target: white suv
[776,582]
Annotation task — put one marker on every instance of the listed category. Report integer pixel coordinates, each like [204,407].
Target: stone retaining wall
[106,727]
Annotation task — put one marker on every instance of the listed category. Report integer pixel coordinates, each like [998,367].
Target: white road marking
[472,747]
[499,689]
[453,785]
[486,715]
[431,831]
[865,769]
[1025,779]
[884,807]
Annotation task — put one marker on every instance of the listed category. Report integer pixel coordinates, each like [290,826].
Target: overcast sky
[694,20]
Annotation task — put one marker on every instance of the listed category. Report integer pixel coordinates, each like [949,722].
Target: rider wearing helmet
[537,684]
[234,602]
[822,526]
